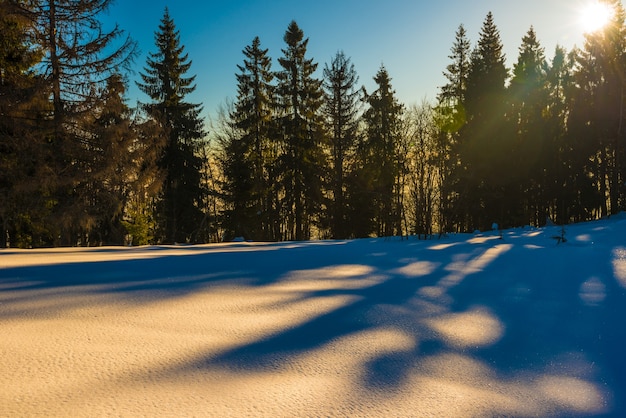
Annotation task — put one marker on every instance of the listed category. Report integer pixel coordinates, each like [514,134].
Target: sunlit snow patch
[619,265]
[417,269]
[478,327]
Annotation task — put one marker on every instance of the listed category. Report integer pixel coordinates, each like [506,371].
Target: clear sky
[412,38]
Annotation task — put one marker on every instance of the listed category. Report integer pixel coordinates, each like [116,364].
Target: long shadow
[548,329]
[547,326]
[119,272]
[565,321]
[153,278]
[341,322]
[396,290]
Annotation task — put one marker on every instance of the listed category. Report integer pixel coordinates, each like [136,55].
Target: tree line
[294,156]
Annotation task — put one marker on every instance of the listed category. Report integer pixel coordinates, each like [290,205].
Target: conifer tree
[236,162]
[453,93]
[341,109]
[451,116]
[530,151]
[165,82]
[23,103]
[251,157]
[299,99]
[79,54]
[144,182]
[78,58]
[487,73]
[480,178]
[381,162]
[559,82]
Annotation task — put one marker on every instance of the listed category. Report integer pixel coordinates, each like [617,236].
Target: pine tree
[238,185]
[299,99]
[79,58]
[487,73]
[559,83]
[453,93]
[164,81]
[451,116]
[380,159]
[480,178]
[23,103]
[341,108]
[251,157]
[528,97]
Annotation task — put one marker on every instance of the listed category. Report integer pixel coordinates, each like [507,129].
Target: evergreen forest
[303,151]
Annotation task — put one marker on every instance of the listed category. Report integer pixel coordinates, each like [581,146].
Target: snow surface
[466,325]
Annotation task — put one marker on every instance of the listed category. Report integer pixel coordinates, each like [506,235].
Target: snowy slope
[467,325]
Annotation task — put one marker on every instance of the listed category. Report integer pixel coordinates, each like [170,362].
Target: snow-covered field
[466,325]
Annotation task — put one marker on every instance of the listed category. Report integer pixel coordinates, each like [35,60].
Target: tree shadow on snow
[563,323]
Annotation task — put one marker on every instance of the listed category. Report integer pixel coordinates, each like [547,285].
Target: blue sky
[411,38]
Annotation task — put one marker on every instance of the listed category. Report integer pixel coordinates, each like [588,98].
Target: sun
[595,15]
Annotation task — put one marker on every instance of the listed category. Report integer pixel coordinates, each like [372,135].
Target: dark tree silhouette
[178,208]
[342,108]
[480,177]
[381,166]
[299,99]
[250,162]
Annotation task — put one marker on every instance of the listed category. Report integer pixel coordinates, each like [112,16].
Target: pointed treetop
[382,78]
[531,56]
[487,59]
[490,43]
[294,35]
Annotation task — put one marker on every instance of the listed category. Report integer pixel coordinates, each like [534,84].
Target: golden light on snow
[417,269]
[575,394]
[595,15]
[231,347]
[477,327]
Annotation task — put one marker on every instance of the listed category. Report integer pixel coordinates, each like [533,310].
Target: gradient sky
[412,38]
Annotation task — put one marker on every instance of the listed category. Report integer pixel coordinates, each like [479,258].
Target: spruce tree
[529,149]
[251,157]
[299,98]
[234,157]
[481,176]
[451,116]
[559,82]
[453,93]
[341,109]
[487,72]
[380,158]
[164,81]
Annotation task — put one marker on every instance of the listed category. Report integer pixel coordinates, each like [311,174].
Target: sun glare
[595,15]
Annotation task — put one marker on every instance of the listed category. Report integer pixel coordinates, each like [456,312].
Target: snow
[466,325]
